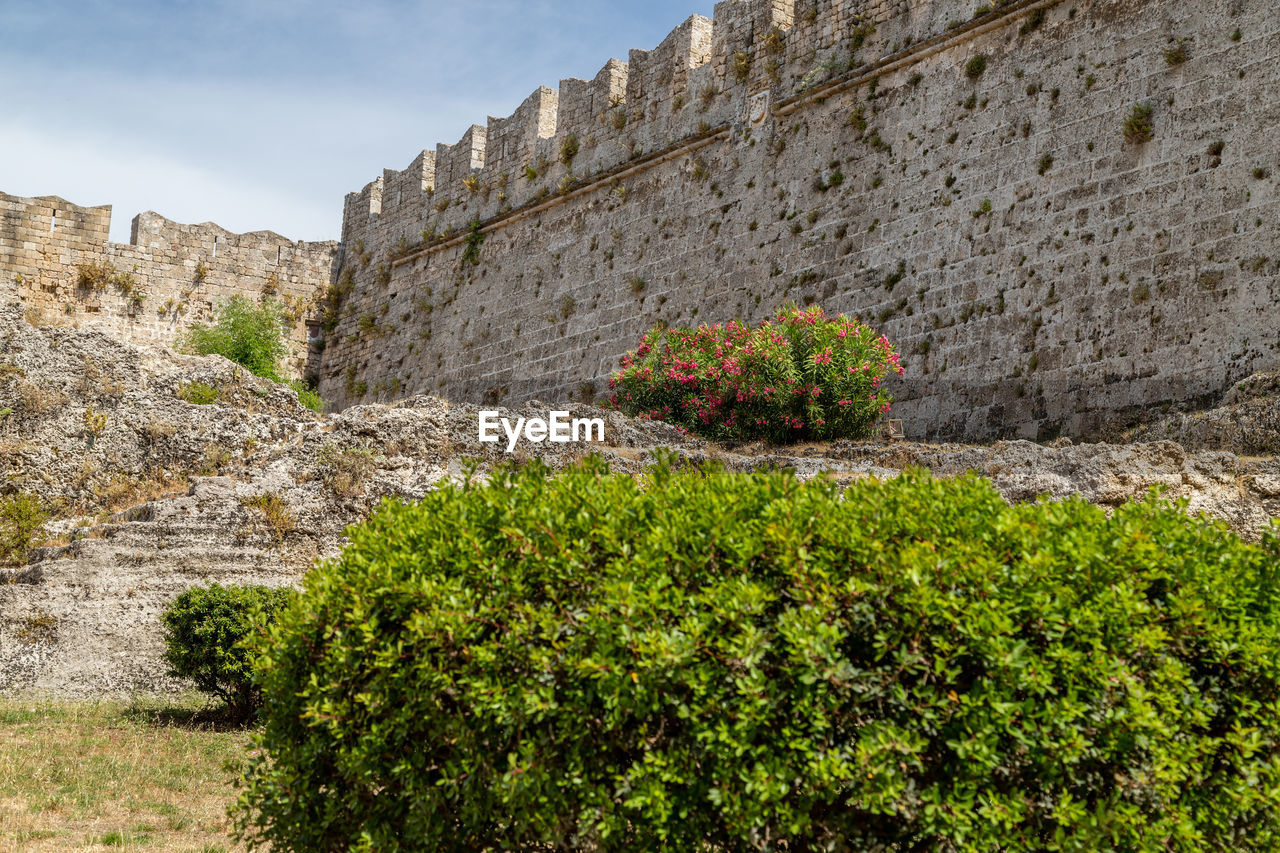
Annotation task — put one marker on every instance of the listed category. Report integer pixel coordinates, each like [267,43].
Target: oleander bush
[732,662]
[206,629]
[797,376]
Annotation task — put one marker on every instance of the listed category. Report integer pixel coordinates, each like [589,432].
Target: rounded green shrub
[725,662]
[796,376]
[205,632]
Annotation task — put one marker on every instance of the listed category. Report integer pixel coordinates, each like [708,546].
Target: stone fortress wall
[956,175]
[168,276]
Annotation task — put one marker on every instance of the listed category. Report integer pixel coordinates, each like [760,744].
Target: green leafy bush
[205,629]
[800,375]
[728,662]
[249,334]
[22,519]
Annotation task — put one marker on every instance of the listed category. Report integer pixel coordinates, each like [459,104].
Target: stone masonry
[168,276]
[958,176]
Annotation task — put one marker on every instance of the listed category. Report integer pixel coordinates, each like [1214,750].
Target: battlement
[168,276]
[512,143]
[701,76]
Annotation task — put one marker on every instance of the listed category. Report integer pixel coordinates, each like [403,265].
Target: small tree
[206,630]
[251,335]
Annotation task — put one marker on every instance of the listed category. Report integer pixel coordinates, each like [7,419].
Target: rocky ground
[165,471]
[1246,421]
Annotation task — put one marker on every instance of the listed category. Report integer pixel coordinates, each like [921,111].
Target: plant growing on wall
[567,306]
[1033,22]
[475,239]
[1137,127]
[569,149]
[125,283]
[1177,53]
[858,119]
[774,42]
[98,276]
[331,306]
[861,30]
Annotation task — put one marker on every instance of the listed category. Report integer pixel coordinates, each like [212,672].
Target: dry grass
[123,491]
[116,776]
[95,276]
[216,457]
[38,399]
[347,471]
[157,430]
[276,514]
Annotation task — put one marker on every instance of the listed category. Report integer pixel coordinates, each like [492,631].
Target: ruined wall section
[960,178]
[169,276]
[39,235]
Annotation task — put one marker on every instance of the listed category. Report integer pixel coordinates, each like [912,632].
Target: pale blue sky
[262,115]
